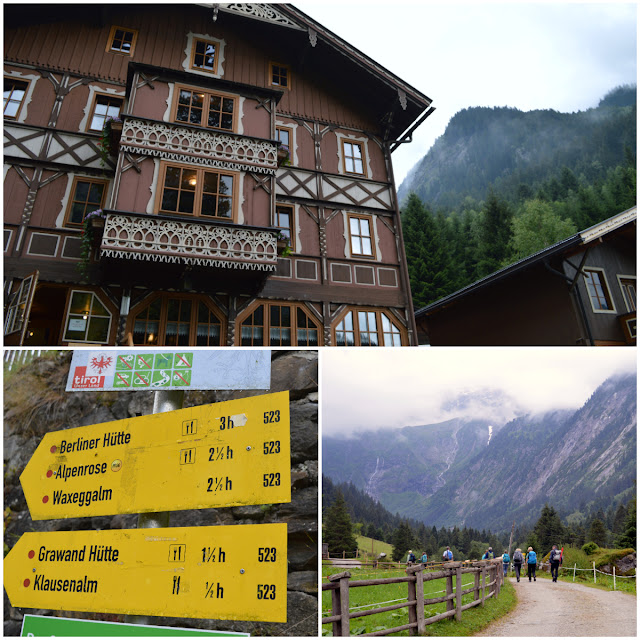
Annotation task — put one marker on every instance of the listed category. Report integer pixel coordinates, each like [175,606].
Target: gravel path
[547,608]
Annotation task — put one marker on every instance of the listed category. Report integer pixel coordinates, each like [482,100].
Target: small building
[580,291]
[200,174]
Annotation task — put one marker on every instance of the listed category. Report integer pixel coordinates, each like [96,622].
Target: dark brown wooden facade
[240,125]
[581,291]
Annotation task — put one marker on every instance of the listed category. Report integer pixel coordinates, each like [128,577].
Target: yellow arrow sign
[223,454]
[225,573]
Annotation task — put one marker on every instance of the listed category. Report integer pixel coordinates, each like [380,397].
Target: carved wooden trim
[174,241]
[261,11]
[180,144]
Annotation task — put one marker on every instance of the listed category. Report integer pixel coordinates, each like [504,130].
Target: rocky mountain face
[451,473]
[35,402]
[404,467]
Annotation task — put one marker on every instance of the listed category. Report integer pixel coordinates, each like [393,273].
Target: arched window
[277,324]
[173,320]
[367,328]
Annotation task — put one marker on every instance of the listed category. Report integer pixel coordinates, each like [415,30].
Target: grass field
[364,544]
[362,598]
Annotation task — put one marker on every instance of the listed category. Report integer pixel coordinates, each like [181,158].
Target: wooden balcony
[162,250]
[206,147]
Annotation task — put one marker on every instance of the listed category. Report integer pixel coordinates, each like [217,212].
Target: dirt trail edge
[547,608]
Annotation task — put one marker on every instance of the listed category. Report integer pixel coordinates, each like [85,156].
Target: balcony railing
[198,242]
[178,142]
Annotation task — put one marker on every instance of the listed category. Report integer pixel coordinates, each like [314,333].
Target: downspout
[402,258]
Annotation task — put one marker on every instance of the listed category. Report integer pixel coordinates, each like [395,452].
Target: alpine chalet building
[200,174]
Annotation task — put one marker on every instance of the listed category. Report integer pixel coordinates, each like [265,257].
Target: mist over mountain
[484,473]
[516,152]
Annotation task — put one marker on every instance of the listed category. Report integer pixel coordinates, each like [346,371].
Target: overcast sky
[372,388]
[546,55]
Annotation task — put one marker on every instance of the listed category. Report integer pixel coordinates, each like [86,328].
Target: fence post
[484,583]
[459,593]
[416,592]
[449,589]
[594,572]
[614,577]
[340,603]
[574,571]
[476,585]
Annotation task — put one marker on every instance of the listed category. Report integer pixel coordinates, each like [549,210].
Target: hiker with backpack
[555,559]
[505,562]
[424,558]
[411,558]
[488,554]
[532,561]
[447,556]
[518,559]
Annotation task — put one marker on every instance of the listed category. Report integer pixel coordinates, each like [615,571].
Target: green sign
[70,627]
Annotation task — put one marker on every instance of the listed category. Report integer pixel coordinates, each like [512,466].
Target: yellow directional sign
[225,573]
[223,454]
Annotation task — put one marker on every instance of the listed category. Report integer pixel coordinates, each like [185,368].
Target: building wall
[66,64]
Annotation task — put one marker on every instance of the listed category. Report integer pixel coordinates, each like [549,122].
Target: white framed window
[87,320]
[598,290]
[628,288]
[358,327]
[353,156]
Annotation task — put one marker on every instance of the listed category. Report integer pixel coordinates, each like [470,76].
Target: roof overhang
[564,246]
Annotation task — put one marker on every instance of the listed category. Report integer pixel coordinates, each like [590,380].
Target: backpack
[517,557]
[447,555]
[555,556]
[412,558]
[532,558]
[505,558]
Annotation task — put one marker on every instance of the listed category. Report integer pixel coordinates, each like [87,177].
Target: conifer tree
[619,520]
[495,234]
[628,539]
[338,530]
[427,255]
[403,540]
[598,533]
[549,529]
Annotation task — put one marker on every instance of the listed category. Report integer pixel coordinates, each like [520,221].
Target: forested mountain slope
[517,152]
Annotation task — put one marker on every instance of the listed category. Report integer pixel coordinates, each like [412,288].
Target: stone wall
[35,402]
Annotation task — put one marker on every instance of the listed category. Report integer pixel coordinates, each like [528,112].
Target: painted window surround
[377,257]
[31,80]
[220,44]
[348,137]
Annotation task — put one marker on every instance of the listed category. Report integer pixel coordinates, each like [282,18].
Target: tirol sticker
[82,380]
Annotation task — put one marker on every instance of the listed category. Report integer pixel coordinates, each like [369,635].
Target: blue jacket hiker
[532,561]
[424,558]
[505,562]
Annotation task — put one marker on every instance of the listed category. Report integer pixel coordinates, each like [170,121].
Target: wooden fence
[488,578]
